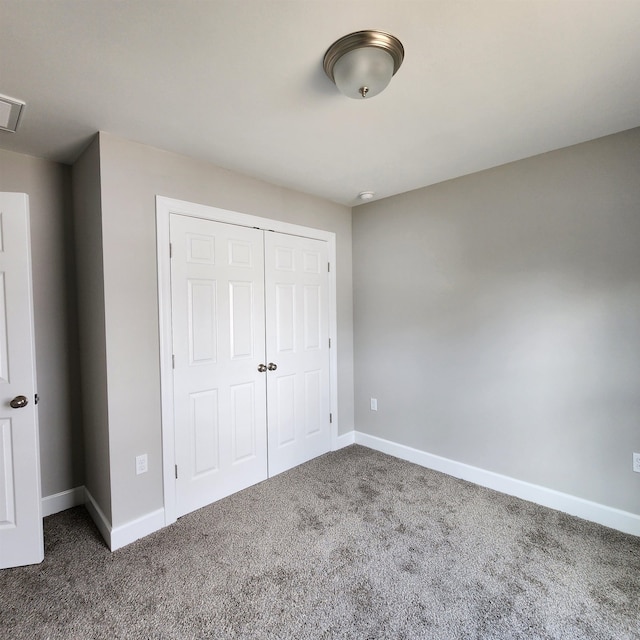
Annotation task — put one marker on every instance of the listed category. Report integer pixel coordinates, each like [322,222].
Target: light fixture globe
[362,63]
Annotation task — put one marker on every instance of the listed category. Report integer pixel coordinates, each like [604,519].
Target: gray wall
[87,210]
[131,176]
[497,319]
[48,186]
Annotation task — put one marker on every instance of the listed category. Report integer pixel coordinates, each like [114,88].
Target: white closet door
[297,329]
[218,337]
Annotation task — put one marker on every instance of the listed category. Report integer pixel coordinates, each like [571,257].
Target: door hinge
[329,343]
[173,362]
[176,469]
[330,418]
[36,398]
[329,267]
[170,250]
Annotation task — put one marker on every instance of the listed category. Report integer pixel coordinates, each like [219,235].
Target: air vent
[10,112]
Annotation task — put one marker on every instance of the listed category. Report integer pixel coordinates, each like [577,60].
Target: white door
[298,404]
[21,539]
[245,407]
[218,344]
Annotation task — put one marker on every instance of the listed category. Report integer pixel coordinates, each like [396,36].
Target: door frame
[164,208]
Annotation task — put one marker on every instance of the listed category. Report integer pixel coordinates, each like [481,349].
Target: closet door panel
[297,339]
[217,281]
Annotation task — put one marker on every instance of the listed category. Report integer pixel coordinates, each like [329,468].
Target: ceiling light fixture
[366,195]
[362,63]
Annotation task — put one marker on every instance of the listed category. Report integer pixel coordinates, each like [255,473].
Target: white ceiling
[240,83]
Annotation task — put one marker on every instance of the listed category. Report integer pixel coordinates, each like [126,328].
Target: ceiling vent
[10,112]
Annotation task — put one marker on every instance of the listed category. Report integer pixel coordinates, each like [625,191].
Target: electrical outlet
[374,404]
[141,464]
[636,462]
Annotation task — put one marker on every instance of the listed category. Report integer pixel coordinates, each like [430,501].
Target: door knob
[18,402]
[272,366]
[262,368]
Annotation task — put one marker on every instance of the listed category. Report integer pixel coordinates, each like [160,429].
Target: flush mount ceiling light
[362,63]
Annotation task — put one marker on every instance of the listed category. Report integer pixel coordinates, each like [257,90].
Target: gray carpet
[355,544]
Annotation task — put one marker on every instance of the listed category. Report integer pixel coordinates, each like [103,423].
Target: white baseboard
[62,501]
[118,537]
[101,521]
[131,531]
[344,440]
[624,521]
[123,535]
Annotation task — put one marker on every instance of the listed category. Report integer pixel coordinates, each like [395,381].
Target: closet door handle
[272,366]
[262,368]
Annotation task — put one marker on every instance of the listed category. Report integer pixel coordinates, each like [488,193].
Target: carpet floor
[355,545]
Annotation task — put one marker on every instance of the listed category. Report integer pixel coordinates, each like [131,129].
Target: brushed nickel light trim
[359,40]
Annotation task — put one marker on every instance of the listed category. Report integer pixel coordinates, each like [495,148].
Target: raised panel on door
[201,309]
[7,483]
[218,341]
[283,415]
[4,345]
[244,421]
[241,320]
[297,330]
[204,428]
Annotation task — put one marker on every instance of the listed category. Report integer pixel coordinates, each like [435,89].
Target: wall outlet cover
[141,464]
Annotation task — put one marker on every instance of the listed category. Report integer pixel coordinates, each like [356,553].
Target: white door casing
[218,336]
[21,537]
[297,319]
[165,207]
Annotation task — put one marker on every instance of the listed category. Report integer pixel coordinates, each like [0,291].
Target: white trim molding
[618,519]
[97,515]
[139,528]
[344,440]
[118,537]
[62,501]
